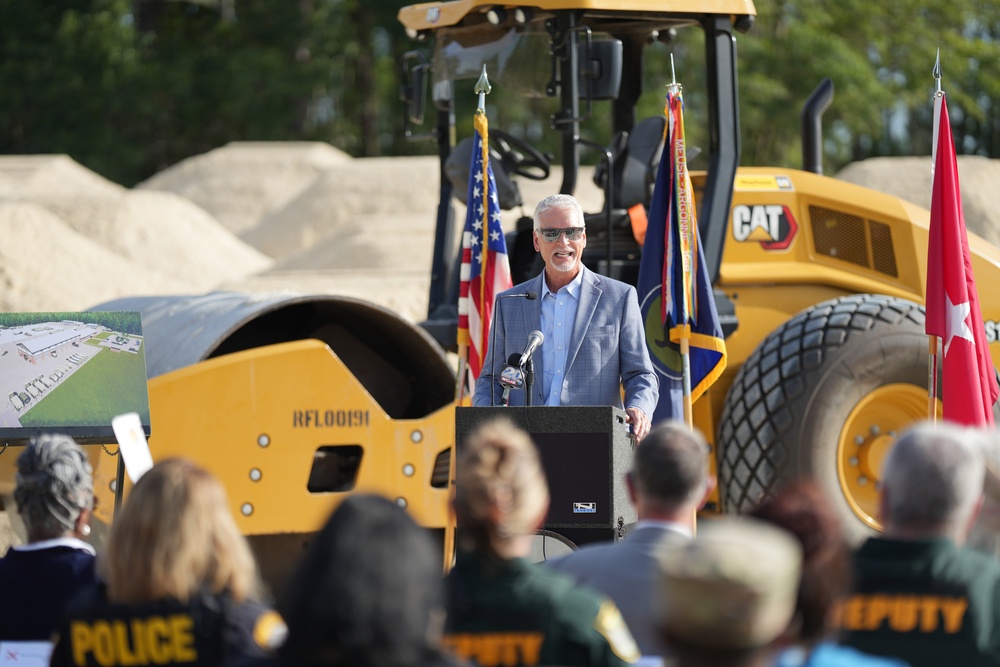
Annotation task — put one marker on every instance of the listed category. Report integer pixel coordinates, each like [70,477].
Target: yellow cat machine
[294,402]
[819,283]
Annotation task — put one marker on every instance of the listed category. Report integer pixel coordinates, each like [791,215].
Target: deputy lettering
[155,640]
[496,649]
[904,613]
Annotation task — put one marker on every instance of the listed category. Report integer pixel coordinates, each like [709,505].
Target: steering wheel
[519,157]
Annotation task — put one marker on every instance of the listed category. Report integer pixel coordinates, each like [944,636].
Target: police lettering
[506,649]
[155,640]
[904,613]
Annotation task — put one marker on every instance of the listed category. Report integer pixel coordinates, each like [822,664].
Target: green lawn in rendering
[108,385]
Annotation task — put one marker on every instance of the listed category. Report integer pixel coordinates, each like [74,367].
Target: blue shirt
[558,317]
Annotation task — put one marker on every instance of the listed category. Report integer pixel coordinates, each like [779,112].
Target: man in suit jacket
[594,339]
[668,483]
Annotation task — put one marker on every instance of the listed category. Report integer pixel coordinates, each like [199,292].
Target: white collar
[664,525]
[71,542]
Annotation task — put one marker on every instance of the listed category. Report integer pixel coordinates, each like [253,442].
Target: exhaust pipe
[812,126]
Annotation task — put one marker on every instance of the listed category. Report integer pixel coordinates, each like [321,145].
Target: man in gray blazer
[594,338]
[668,483]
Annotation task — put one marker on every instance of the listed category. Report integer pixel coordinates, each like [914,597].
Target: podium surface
[585,452]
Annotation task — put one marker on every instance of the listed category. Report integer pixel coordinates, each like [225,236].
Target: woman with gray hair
[54,493]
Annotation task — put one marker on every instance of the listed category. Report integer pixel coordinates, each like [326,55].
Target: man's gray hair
[670,467]
[54,484]
[566,202]
[933,478]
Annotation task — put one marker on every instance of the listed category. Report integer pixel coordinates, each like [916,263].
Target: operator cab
[579,74]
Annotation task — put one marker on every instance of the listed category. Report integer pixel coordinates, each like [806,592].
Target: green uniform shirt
[928,602]
[512,613]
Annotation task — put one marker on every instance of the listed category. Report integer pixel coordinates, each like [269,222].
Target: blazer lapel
[590,296]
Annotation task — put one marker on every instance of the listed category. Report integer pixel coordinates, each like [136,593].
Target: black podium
[586,452]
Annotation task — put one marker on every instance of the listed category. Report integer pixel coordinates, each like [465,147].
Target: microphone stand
[529,380]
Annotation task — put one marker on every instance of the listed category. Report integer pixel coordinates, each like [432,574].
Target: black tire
[785,414]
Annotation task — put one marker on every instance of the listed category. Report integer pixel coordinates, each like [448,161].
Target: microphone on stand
[497,316]
[511,378]
[527,364]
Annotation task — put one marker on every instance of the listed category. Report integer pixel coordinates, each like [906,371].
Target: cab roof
[433,15]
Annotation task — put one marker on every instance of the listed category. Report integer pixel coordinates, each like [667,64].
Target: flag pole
[932,340]
[675,89]
[482,89]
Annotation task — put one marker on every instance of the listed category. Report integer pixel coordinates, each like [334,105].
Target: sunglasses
[552,235]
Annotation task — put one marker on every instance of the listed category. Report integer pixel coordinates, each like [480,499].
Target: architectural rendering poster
[70,373]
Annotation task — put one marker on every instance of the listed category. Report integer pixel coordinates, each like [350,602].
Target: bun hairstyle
[54,484]
[500,490]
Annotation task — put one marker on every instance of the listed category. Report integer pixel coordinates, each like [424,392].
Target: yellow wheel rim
[868,433]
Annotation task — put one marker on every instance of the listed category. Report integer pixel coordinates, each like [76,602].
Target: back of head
[670,467]
[805,511]
[500,490]
[174,537]
[53,485]
[932,481]
[731,588]
[367,592]
[562,202]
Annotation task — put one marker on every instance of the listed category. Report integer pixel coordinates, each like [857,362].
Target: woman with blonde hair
[501,608]
[180,581]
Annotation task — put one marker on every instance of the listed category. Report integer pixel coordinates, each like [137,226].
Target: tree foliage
[129,87]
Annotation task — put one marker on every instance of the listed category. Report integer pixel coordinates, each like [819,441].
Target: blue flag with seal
[675,294]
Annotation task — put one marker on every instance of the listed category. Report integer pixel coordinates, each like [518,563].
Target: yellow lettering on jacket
[490,649]
[142,641]
[903,613]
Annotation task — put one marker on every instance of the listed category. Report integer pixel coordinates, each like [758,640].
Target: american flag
[485,269]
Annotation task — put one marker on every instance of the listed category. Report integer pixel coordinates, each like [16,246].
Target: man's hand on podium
[639,421]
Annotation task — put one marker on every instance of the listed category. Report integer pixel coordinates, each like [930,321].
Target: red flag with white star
[969,384]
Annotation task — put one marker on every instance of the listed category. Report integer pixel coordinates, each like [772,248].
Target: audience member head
[561,202]
[500,492]
[367,592]
[54,488]
[175,536]
[932,483]
[669,475]
[804,510]
[729,593]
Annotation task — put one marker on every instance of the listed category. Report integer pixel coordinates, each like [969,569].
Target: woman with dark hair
[367,593]
[54,493]
[804,510]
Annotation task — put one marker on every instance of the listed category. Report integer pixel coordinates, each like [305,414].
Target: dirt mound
[162,232]
[380,188]
[36,176]
[45,265]
[158,231]
[380,212]
[242,182]
[909,178]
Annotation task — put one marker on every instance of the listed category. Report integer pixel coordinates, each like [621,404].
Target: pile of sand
[349,198]
[47,266]
[909,178]
[242,182]
[76,234]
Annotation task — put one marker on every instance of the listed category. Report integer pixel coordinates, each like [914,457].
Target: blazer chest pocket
[602,331]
